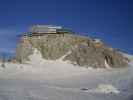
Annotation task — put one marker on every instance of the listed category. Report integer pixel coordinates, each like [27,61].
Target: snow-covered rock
[83,51]
[105,88]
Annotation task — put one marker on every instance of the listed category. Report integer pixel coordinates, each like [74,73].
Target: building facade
[44,29]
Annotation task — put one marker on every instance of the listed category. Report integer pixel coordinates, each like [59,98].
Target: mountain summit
[55,42]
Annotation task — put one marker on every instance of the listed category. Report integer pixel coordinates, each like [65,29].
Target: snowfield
[41,79]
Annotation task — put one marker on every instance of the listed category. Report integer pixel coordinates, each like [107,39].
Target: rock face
[78,50]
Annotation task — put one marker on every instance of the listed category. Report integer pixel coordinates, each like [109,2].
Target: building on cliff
[44,29]
[40,30]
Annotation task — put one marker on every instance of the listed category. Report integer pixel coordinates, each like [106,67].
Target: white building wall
[44,29]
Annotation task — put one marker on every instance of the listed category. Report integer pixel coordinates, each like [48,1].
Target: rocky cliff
[76,49]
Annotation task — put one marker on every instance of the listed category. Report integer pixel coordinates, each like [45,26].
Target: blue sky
[110,20]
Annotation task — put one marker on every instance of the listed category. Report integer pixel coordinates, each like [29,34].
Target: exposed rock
[23,50]
[83,51]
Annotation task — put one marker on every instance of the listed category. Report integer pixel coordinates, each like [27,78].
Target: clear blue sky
[111,20]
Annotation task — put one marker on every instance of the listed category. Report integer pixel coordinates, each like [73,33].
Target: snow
[107,65]
[41,79]
[97,40]
[105,88]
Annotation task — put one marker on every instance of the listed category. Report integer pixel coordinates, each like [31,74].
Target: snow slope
[41,79]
